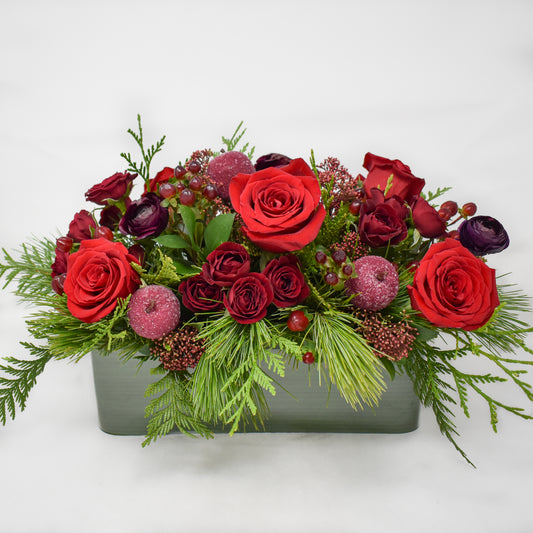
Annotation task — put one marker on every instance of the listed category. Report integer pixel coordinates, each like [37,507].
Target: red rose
[287,281]
[382,222]
[225,264]
[198,295]
[113,188]
[249,297]
[426,219]
[98,275]
[280,207]
[404,184]
[453,288]
[80,227]
[161,177]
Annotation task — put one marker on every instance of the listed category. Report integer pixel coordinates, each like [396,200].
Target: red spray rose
[287,281]
[225,264]
[98,274]
[59,266]
[382,221]
[161,177]
[198,295]
[452,288]
[280,207]
[113,188]
[80,227]
[426,219]
[404,184]
[249,297]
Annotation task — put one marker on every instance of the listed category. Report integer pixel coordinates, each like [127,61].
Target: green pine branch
[232,143]
[21,376]
[172,407]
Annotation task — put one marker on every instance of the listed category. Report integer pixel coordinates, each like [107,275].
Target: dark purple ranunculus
[198,295]
[272,160]
[382,221]
[287,281]
[483,235]
[145,217]
[225,264]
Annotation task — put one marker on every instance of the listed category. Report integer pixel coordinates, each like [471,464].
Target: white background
[444,86]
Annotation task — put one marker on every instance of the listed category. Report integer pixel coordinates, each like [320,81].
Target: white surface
[445,86]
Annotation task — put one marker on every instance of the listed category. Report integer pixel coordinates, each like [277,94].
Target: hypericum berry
[64,244]
[187,197]
[321,258]
[167,190]
[451,206]
[331,278]
[339,256]
[308,358]
[297,321]
[194,166]
[210,192]
[469,209]
[355,207]
[180,186]
[179,172]
[195,183]
[347,270]
[103,232]
[445,214]
[454,234]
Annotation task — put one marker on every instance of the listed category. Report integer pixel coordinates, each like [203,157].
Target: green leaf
[189,219]
[185,269]
[389,367]
[172,241]
[218,231]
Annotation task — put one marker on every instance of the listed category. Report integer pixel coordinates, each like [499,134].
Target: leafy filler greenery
[228,272]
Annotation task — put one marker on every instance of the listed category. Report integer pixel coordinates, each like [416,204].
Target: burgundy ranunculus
[483,235]
[80,227]
[249,297]
[426,219]
[380,169]
[271,160]
[225,264]
[199,296]
[287,281]
[113,188]
[382,221]
[145,217]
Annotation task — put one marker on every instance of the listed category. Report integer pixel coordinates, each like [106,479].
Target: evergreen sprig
[232,143]
[14,390]
[142,168]
[172,407]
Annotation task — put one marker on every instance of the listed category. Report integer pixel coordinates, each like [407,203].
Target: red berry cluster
[336,265]
[188,185]
[450,208]
[180,349]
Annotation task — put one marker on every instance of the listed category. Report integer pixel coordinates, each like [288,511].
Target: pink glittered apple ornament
[224,167]
[153,311]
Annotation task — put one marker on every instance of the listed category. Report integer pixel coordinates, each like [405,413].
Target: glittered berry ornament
[376,284]
[224,167]
[153,311]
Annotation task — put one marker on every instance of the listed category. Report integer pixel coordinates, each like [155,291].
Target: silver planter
[309,407]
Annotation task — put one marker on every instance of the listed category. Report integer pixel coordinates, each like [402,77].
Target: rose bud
[483,235]
[426,219]
[272,160]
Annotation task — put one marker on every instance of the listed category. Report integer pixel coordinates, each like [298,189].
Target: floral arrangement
[228,272]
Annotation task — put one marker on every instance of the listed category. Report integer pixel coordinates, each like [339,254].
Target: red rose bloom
[404,184]
[80,227]
[287,281]
[382,222]
[113,188]
[225,264]
[198,295]
[452,288]
[280,207]
[161,177]
[249,297]
[98,274]
[426,219]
